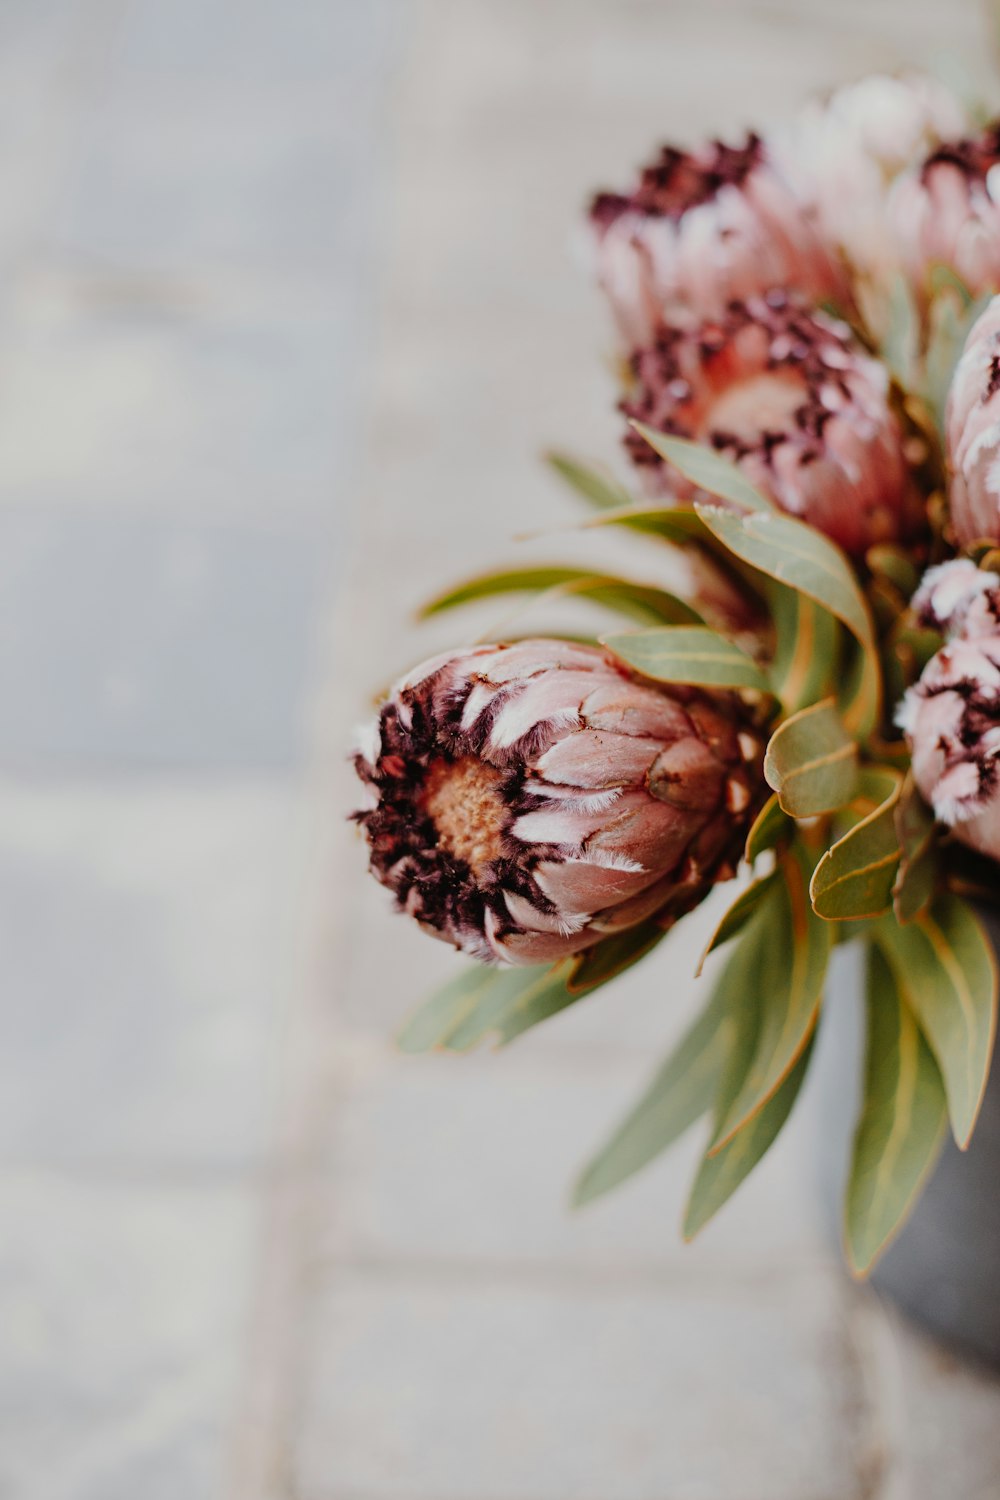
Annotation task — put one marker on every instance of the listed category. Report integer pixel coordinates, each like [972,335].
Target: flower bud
[700,228]
[947,212]
[972,431]
[952,723]
[842,154]
[524,801]
[790,397]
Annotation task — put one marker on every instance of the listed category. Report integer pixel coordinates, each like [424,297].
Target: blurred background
[287,313]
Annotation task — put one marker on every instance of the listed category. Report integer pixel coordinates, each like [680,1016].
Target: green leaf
[917,875]
[478,1001]
[812,762]
[945,969]
[638,601]
[679,1094]
[738,915]
[597,489]
[807,649]
[612,956]
[720,1175]
[902,1122]
[689,654]
[790,993]
[899,346]
[707,469]
[855,878]
[767,830]
[804,559]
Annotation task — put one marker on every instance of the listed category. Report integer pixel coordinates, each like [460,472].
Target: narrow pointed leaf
[791,990]
[917,875]
[597,489]
[944,967]
[680,1093]
[812,762]
[855,878]
[707,469]
[771,825]
[801,557]
[807,649]
[738,915]
[720,1175]
[902,1124]
[689,654]
[612,956]
[642,602]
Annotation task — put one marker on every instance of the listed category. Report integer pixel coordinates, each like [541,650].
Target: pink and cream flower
[972,432]
[702,227]
[947,212]
[791,397]
[524,801]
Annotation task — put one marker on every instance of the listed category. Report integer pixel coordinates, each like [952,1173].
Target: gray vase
[944,1267]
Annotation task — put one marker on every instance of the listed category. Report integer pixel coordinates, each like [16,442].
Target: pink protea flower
[525,800]
[702,227]
[792,398]
[958,599]
[951,719]
[843,153]
[947,212]
[972,431]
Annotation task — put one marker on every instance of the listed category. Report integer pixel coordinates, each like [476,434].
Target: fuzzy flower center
[765,402]
[463,800]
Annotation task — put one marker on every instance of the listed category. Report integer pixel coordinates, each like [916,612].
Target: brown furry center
[462,799]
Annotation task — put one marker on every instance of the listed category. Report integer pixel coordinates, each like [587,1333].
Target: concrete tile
[151,938]
[154,642]
[442,1387]
[471,1159]
[124,1310]
[186,397]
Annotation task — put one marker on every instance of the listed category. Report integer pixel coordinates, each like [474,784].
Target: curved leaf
[945,969]
[720,1175]
[801,557]
[597,489]
[855,878]
[769,827]
[902,1122]
[807,649]
[738,915]
[791,990]
[678,1095]
[689,654]
[707,469]
[916,830]
[642,602]
[812,762]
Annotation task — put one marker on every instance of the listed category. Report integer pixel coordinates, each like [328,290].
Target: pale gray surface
[248,1250]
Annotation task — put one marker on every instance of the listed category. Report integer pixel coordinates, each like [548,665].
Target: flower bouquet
[809,350]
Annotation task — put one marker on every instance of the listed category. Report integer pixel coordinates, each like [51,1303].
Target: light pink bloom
[958,598]
[952,723]
[702,227]
[843,153]
[794,400]
[972,431]
[947,212]
[523,801]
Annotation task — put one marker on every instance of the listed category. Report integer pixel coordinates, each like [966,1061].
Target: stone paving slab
[149,934]
[123,1307]
[441,1387]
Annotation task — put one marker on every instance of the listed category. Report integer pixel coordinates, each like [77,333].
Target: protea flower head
[525,800]
[699,228]
[947,212]
[843,153]
[952,723]
[958,599]
[972,431]
[793,399]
